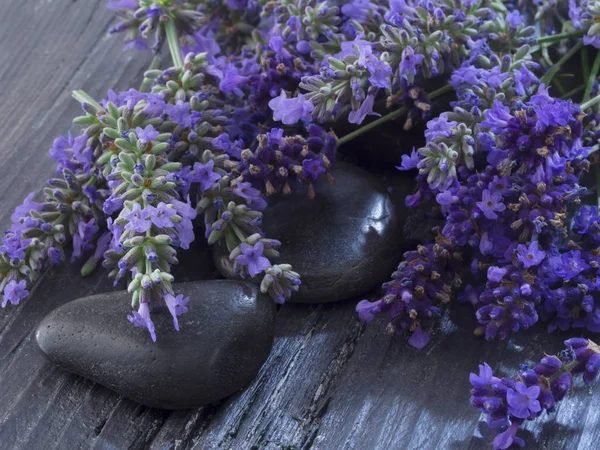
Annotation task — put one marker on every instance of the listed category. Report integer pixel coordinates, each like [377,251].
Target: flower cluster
[231,123]
[424,279]
[142,18]
[128,180]
[71,212]
[508,402]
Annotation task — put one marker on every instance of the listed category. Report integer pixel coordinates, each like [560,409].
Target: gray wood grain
[330,383]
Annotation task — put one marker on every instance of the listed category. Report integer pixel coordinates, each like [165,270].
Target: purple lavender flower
[490,204]
[509,437]
[291,110]
[495,274]
[55,256]
[569,264]
[524,79]
[409,161]
[530,255]
[180,113]
[68,151]
[367,310]
[313,168]
[147,134]
[365,109]
[358,9]
[155,105]
[112,205]
[14,292]
[410,61]
[161,215]
[508,402]
[138,219]
[419,338]
[514,19]
[204,174]
[141,318]
[414,293]
[82,239]
[251,195]
[439,127]
[25,209]
[185,233]
[252,258]
[522,400]
[232,82]
[177,306]
[484,378]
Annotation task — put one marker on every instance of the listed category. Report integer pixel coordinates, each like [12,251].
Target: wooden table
[331,382]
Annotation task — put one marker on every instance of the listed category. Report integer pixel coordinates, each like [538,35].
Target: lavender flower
[491,204]
[14,291]
[530,255]
[289,111]
[507,402]
[141,318]
[252,258]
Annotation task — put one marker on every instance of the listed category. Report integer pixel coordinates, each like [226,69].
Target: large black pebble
[225,338]
[344,242]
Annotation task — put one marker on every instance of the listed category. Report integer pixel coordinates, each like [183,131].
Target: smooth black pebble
[343,242]
[225,338]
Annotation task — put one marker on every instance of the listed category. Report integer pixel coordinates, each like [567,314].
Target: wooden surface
[330,383]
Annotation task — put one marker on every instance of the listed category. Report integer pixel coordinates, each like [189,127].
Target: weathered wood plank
[330,382]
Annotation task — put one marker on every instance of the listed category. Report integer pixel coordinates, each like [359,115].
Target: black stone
[343,243]
[225,338]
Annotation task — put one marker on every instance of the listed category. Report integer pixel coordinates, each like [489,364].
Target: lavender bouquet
[244,113]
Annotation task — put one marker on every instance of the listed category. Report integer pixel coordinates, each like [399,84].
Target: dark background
[330,383]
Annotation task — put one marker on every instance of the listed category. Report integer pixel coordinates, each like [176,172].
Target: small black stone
[343,243]
[225,338]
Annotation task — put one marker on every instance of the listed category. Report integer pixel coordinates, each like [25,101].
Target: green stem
[585,64]
[372,125]
[173,43]
[591,77]
[443,90]
[559,86]
[559,37]
[82,96]
[573,92]
[590,103]
[547,78]
[147,81]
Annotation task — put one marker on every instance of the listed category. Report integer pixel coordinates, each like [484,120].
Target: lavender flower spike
[508,402]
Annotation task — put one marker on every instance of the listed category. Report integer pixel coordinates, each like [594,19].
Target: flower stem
[147,81]
[443,90]
[547,78]
[590,103]
[591,77]
[585,64]
[83,97]
[573,92]
[372,125]
[173,43]
[559,37]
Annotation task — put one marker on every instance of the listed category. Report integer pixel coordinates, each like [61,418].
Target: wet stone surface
[225,338]
[343,243]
